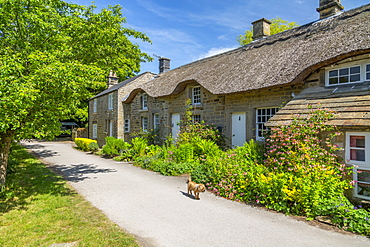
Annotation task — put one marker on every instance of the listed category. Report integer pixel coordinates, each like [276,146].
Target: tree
[278,25]
[53,55]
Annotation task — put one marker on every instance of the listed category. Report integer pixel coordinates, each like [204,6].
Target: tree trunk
[5,142]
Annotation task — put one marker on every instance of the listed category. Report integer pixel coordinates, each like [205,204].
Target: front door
[175,125]
[238,128]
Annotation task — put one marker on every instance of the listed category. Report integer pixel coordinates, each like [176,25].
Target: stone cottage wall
[102,116]
[214,109]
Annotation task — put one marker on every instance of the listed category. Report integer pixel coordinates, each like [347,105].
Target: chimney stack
[164,64]
[112,79]
[261,28]
[329,8]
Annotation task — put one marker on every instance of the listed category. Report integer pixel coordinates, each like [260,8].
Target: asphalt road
[157,210]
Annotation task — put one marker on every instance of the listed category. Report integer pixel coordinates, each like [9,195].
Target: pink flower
[353,182]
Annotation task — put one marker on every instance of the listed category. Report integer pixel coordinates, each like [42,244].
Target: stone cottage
[239,91]
[106,115]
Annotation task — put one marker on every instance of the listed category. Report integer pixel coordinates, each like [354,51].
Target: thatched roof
[285,58]
[351,104]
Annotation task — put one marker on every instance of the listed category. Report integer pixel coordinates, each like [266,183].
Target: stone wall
[214,109]
[102,117]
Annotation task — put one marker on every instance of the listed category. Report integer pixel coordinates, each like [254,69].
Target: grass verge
[38,208]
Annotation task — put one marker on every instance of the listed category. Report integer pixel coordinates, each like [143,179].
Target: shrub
[306,170]
[234,174]
[83,143]
[189,130]
[139,145]
[114,146]
[93,146]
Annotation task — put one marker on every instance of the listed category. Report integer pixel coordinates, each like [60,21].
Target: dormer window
[196,96]
[348,73]
[144,101]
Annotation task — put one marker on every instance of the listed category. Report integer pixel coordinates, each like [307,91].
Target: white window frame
[196,95]
[262,116]
[196,118]
[360,167]
[144,101]
[95,105]
[156,121]
[364,72]
[127,125]
[94,131]
[144,124]
[110,101]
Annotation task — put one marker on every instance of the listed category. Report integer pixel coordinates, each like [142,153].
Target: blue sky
[188,30]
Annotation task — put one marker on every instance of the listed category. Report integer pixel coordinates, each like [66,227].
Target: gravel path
[157,210]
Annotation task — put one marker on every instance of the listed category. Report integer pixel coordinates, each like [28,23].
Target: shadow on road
[80,172]
[187,195]
[35,148]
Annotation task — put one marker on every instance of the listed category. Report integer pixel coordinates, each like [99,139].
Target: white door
[175,121]
[238,128]
[110,127]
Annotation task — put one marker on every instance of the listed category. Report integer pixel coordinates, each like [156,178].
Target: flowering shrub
[303,166]
[83,143]
[235,173]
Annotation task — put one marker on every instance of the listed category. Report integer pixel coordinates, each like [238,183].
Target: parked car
[67,128]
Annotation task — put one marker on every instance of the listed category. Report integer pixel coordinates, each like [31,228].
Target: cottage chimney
[329,8]
[164,64]
[261,28]
[112,79]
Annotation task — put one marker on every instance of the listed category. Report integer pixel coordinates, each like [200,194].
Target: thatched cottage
[326,61]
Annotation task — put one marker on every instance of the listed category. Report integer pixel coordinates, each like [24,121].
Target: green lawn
[38,208]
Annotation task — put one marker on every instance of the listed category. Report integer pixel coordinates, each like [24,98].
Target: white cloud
[215,51]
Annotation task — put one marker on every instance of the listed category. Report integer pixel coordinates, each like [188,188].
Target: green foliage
[93,146]
[114,147]
[191,131]
[139,145]
[309,168]
[151,135]
[84,144]
[278,25]
[34,197]
[54,56]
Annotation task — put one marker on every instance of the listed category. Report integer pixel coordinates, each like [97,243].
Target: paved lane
[158,212]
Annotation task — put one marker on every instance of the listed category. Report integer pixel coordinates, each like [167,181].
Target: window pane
[363,175]
[333,80]
[358,155]
[333,73]
[357,141]
[355,70]
[354,78]
[343,71]
[343,79]
[368,68]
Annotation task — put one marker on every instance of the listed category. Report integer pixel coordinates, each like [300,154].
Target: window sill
[348,84]
[143,110]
